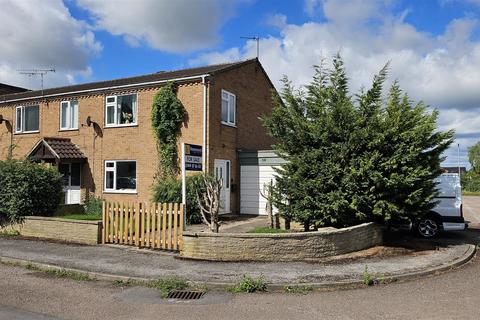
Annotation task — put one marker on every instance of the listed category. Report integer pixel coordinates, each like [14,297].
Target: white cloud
[310,6]
[440,70]
[173,26]
[43,36]
[277,20]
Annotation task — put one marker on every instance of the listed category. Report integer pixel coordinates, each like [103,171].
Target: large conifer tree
[353,160]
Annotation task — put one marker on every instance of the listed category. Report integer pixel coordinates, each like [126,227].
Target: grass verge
[85,217]
[61,273]
[9,233]
[166,285]
[267,230]
[163,285]
[298,289]
[249,285]
[470,193]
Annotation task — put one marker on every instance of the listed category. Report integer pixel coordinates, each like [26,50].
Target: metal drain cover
[185,294]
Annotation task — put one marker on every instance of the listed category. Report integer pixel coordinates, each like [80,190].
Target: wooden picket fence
[146,225]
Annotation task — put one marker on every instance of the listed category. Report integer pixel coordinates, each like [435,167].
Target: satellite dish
[89,121]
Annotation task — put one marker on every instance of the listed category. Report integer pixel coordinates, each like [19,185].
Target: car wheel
[428,227]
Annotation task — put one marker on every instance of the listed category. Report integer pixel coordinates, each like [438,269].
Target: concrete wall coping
[323,231]
[97,222]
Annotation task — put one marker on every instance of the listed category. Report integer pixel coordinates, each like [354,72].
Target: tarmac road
[453,295]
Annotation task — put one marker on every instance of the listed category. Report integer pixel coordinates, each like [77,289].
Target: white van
[448,213]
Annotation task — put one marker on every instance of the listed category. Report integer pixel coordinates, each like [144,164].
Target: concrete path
[132,262]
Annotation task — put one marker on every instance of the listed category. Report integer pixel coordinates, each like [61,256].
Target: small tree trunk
[306,225]
[270,214]
[277,221]
[287,223]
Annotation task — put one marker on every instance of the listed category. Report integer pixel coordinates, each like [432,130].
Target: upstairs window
[228,108]
[121,110]
[69,115]
[27,119]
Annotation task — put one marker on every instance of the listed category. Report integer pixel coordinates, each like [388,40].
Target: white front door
[223,172]
[71,181]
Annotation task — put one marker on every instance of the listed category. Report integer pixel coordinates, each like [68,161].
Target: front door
[223,172]
[71,181]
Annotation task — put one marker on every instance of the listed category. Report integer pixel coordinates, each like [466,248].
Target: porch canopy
[52,149]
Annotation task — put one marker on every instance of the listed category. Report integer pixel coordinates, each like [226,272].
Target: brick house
[100,137]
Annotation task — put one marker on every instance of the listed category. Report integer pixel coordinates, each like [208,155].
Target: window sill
[73,129]
[28,132]
[229,124]
[121,125]
[121,191]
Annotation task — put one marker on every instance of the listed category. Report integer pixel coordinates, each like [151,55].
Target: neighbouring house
[99,134]
[454,169]
[8,89]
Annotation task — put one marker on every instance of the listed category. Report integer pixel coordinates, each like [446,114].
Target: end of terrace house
[99,134]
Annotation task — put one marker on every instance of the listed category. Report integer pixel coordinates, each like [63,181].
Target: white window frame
[114,170]
[228,122]
[115,114]
[22,118]
[69,116]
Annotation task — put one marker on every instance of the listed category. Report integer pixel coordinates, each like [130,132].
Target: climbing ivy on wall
[167,117]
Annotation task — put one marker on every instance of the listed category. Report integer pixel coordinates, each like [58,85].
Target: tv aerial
[257,39]
[36,72]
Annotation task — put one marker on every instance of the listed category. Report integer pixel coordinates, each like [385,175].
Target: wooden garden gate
[146,225]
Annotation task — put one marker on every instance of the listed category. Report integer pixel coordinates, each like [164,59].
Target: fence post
[169,243]
[103,222]
[137,224]
[181,226]
[142,225]
[158,212]
[148,216]
[175,226]
[164,226]
[130,224]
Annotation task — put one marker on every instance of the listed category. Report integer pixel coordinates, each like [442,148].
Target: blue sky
[251,19]
[433,45]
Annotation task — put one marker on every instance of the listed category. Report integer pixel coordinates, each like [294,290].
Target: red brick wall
[247,82]
[99,143]
[253,99]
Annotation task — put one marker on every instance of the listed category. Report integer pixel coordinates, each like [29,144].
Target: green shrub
[267,230]
[166,285]
[249,285]
[170,190]
[471,181]
[28,189]
[298,289]
[368,278]
[93,206]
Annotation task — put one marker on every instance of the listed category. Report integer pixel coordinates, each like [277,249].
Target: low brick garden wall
[78,231]
[300,246]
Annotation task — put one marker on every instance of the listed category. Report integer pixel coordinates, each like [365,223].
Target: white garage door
[252,179]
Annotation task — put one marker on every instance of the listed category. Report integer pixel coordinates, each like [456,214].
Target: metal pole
[184,187]
[458,158]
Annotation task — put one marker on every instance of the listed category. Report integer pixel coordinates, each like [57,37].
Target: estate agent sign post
[191,161]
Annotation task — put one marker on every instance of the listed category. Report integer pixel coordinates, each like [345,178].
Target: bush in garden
[93,206]
[28,189]
[170,190]
[354,159]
